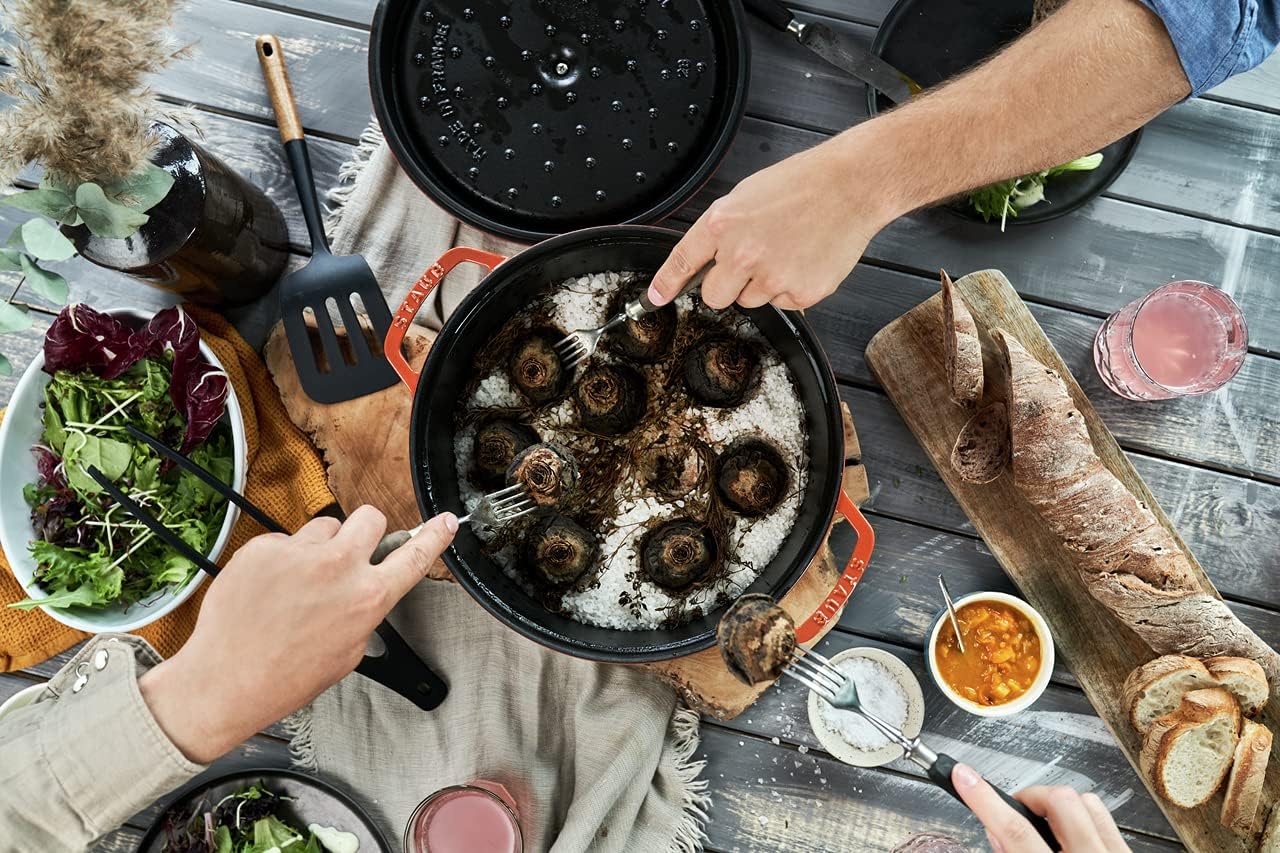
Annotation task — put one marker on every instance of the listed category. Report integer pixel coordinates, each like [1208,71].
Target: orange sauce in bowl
[1001,653]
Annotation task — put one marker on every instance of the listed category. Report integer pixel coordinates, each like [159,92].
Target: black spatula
[340,369]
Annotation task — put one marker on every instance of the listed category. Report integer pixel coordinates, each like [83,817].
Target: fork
[576,347]
[832,685]
[495,509]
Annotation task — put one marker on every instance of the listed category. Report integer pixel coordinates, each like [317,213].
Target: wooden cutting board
[365,446]
[906,356]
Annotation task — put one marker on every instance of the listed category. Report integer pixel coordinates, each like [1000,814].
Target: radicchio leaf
[49,518]
[203,401]
[169,331]
[81,338]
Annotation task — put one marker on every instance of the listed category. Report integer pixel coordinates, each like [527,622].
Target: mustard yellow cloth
[284,476]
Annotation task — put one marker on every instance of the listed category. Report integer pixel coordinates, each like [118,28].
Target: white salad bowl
[20,430]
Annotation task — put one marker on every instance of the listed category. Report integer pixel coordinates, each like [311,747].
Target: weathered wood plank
[1096,260]
[825,806]
[326,64]
[1234,427]
[1059,741]
[1228,522]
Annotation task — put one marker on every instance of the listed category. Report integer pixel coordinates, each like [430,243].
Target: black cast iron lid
[534,118]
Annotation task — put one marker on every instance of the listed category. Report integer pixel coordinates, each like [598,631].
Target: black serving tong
[398,667]
[327,278]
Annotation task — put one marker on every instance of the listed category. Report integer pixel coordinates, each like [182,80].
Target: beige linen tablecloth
[598,757]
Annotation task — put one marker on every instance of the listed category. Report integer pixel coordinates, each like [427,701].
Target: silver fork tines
[503,506]
[829,683]
[576,347]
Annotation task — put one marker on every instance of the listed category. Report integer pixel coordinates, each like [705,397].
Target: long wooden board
[907,359]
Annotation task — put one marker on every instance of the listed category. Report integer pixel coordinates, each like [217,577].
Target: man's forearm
[1093,72]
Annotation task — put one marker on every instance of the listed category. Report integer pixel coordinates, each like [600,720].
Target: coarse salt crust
[619,595]
[879,693]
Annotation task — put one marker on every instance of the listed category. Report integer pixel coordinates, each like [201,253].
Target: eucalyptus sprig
[113,208]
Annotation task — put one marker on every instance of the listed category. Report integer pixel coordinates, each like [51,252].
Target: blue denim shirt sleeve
[1216,39]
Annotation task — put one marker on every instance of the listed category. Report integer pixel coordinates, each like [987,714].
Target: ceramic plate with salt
[884,683]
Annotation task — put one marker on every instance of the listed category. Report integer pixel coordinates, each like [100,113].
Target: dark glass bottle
[215,239]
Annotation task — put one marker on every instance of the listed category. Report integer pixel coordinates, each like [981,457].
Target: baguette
[964,349]
[1244,784]
[1187,753]
[981,451]
[1155,688]
[1244,678]
[1128,560]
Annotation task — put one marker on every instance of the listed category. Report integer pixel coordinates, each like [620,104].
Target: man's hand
[787,235]
[286,618]
[790,234]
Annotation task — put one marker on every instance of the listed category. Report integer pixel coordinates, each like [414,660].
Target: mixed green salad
[249,821]
[1003,200]
[105,376]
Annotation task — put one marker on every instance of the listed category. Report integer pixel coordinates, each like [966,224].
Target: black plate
[934,40]
[532,119]
[314,801]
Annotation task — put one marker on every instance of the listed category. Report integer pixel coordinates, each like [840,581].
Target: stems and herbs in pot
[80,109]
[89,552]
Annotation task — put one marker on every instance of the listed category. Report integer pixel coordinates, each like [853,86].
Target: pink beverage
[478,817]
[1184,338]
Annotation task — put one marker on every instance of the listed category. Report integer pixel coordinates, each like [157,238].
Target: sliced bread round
[1187,753]
[964,349]
[981,451]
[1244,785]
[1155,688]
[1244,678]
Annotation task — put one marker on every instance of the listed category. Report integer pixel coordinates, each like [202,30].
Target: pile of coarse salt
[879,693]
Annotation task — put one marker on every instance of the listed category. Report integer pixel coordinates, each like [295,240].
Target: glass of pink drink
[1184,338]
[479,817]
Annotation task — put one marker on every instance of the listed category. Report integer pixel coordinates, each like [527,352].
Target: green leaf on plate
[142,190]
[13,318]
[45,242]
[82,596]
[53,202]
[104,217]
[50,285]
[84,451]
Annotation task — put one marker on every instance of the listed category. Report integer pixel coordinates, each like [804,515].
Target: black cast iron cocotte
[509,288]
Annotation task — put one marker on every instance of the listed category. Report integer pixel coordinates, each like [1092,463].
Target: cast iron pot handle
[418,294]
[400,669]
[830,609]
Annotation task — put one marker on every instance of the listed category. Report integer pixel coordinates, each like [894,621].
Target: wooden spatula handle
[271,57]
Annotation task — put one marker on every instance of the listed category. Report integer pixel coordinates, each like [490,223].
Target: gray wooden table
[1201,200]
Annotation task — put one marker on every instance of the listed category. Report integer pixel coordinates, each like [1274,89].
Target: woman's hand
[788,234]
[1080,822]
[286,618]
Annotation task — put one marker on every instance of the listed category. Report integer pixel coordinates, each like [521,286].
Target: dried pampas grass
[81,105]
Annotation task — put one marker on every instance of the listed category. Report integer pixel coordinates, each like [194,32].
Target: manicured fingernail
[996,846]
[451,522]
[964,776]
[655,297]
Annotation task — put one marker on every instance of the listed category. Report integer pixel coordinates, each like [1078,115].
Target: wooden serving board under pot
[907,357]
[366,454]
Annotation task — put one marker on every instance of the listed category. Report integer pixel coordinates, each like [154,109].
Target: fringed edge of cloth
[371,139]
[691,835]
[302,751]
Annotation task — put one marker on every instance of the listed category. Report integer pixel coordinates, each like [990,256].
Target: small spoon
[951,611]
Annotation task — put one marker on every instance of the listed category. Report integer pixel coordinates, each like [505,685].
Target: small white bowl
[835,743]
[1046,657]
[20,430]
[21,699]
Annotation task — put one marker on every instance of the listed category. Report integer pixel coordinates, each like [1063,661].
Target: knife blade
[840,51]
